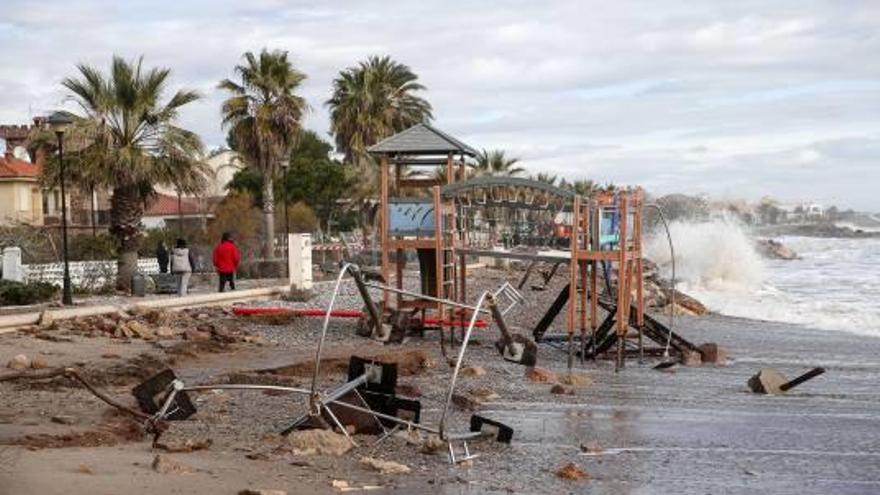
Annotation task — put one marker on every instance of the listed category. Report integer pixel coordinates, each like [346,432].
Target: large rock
[19,362]
[775,250]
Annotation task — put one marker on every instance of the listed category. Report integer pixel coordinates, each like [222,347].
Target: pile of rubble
[201,324]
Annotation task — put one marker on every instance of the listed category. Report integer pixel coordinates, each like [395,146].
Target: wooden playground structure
[444,217]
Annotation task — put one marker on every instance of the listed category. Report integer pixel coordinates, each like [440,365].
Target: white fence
[84,274]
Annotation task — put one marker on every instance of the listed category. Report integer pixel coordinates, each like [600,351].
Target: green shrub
[18,293]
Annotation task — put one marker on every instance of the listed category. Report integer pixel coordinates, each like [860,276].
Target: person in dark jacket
[226,259]
[163,256]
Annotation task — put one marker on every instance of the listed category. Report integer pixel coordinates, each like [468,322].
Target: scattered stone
[85,469]
[572,472]
[196,335]
[155,317]
[187,446]
[540,375]
[712,353]
[384,467]
[251,491]
[484,394]
[433,444]
[561,390]
[340,484]
[222,335]
[122,331]
[166,465]
[139,330]
[45,320]
[19,362]
[578,380]
[203,316]
[464,402]
[322,442]
[473,371]
[165,333]
[110,355]
[255,339]
[691,358]
[39,363]
[63,419]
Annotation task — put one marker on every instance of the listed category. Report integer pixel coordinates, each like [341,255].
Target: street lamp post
[285,167]
[59,122]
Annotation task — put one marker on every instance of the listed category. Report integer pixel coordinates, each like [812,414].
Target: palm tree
[370,102]
[546,178]
[263,115]
[582,187]
[132,142]
[495,162]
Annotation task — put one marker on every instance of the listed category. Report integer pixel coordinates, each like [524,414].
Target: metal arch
[455,189]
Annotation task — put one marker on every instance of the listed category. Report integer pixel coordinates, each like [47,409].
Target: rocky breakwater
[658,293]
[774,250]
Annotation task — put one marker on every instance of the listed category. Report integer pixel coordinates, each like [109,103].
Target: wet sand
[695,430]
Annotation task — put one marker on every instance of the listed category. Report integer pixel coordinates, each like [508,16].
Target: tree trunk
[268,218]
[126,210]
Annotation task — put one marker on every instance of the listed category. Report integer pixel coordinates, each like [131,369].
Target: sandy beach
[691,430]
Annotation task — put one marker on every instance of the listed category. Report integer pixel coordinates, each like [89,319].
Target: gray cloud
[728,98]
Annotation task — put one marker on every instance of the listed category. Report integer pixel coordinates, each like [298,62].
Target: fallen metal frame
[319,402]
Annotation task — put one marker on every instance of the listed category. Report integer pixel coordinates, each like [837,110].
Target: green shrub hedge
[18,293]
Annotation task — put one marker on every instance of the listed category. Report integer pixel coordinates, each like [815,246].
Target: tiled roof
[11,167]
[163,205]
[424,139]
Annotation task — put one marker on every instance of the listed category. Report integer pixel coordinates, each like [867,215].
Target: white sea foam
[835,285]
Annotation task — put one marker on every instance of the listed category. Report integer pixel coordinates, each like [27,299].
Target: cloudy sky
[732,99]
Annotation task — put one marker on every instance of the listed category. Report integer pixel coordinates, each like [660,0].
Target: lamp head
[60,121]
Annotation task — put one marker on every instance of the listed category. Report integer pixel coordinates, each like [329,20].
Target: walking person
[182,264]
[226,259]
[163,257]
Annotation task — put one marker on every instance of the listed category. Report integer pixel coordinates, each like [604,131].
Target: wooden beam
[383,225]
[418,183]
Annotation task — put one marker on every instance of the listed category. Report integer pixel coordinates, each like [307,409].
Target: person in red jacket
[226,258]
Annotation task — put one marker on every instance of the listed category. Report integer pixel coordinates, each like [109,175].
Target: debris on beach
[558,389]
[712,353]
[189,445]
[540,375]
[19,362]
[165,465]
[384,467]
[772,382]
[321,442]
[577,380]
[572,472]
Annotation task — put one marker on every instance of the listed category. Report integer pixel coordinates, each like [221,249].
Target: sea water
[834,285]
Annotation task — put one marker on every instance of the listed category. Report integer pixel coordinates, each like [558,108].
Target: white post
[299,260]
[12,264]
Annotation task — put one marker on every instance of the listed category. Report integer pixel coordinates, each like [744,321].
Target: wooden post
[572,279]
[398,253]
[640,282]
[462,260]
[383,226]
[438,247]
[622,324]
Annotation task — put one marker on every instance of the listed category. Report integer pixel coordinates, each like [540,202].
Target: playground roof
[422,139]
